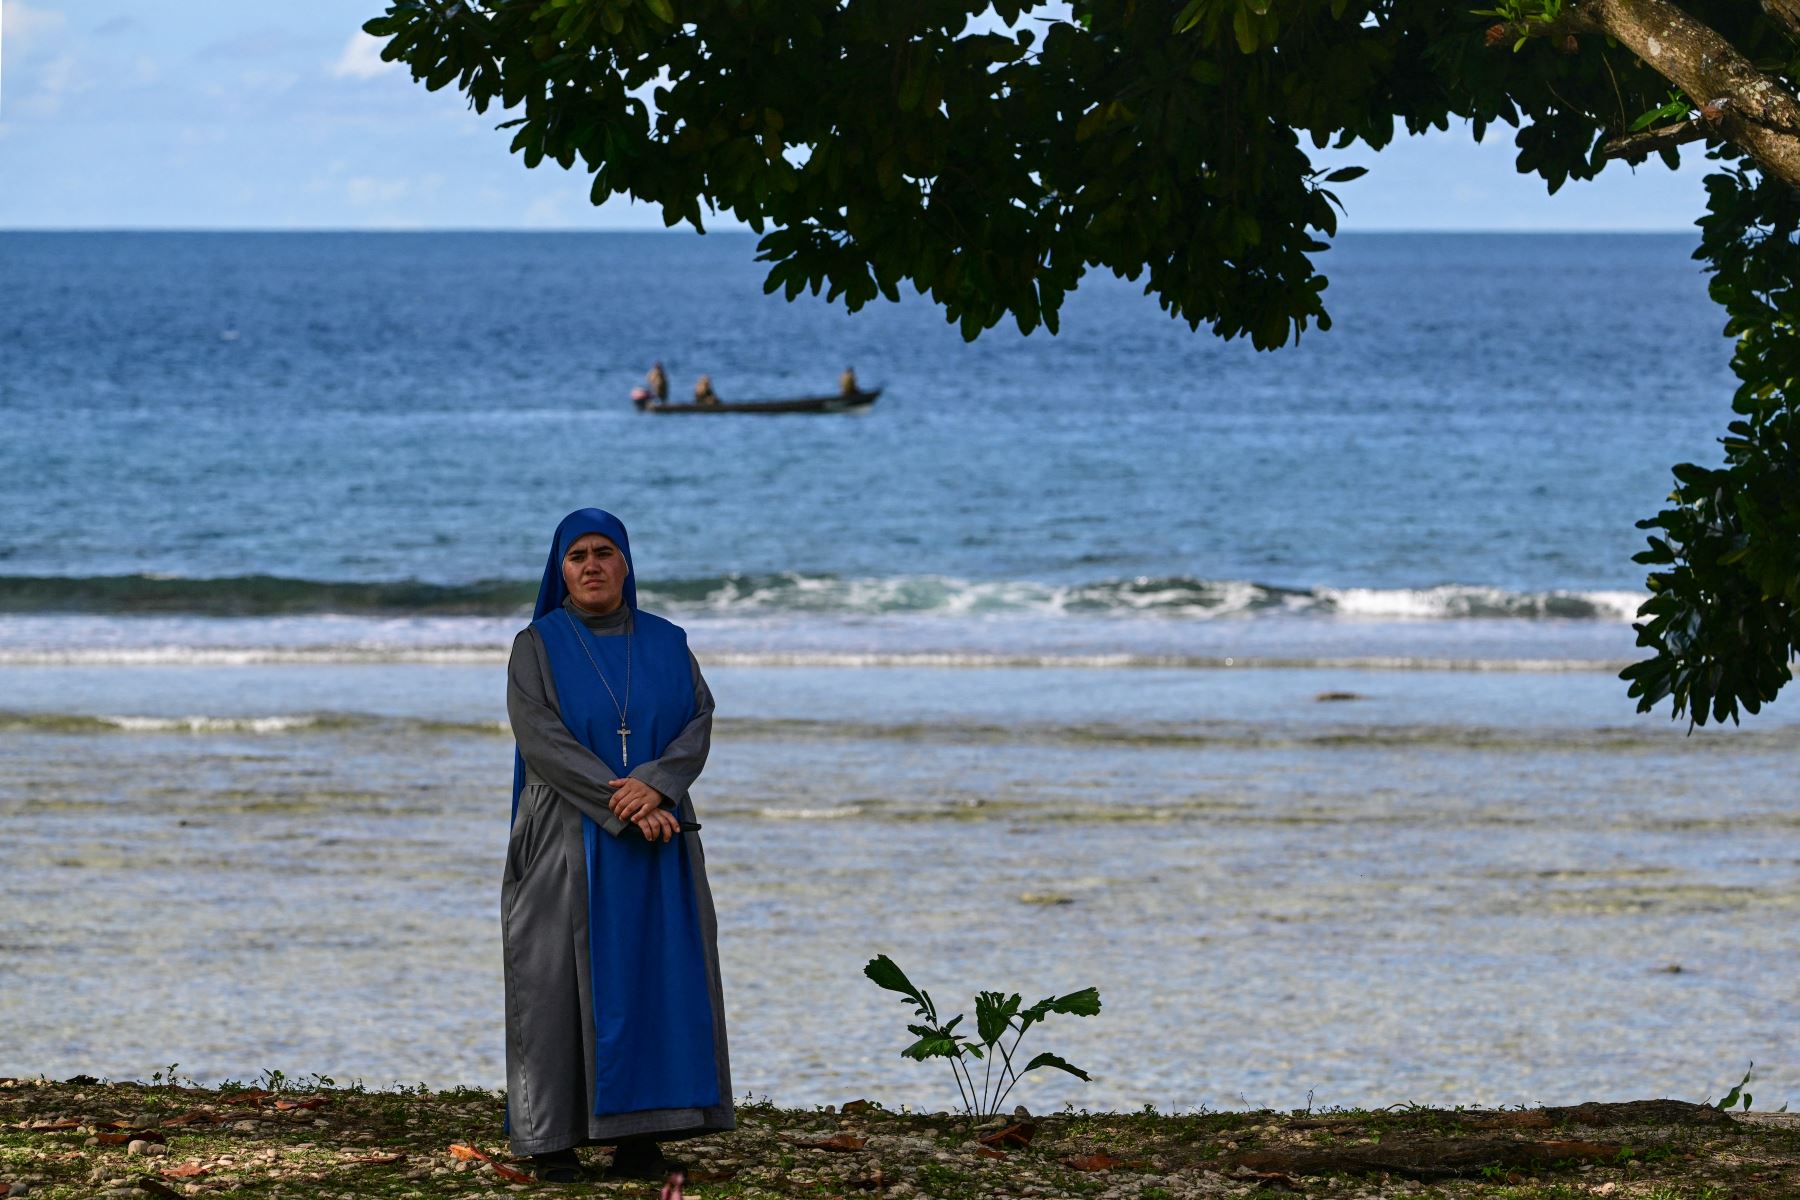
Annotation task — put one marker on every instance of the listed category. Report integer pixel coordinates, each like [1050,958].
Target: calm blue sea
[1271,693]
[1472,440]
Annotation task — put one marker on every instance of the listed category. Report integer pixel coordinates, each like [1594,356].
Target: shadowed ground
[82,1138]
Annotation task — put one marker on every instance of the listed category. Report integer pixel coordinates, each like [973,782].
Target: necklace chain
[624,731]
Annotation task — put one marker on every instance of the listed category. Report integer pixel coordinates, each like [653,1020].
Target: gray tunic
[544,914]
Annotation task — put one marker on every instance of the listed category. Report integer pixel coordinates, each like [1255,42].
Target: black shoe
[639,1158]
[561,1166]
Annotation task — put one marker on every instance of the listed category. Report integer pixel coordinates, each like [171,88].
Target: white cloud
[361,58]
[24,24]
[365,190]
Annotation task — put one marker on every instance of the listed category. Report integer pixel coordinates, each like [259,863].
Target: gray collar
[616,621]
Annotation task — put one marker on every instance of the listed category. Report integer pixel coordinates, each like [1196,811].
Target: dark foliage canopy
[989,155]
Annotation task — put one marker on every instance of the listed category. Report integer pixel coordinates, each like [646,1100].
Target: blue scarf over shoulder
[652,1010]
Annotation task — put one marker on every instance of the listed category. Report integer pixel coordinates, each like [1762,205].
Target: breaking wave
[749,595]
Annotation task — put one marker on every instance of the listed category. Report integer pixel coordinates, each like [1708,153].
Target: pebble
[245,1126]
[138,1146]
[20,1188]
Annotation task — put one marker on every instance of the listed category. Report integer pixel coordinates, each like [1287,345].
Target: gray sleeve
[550,751]
[685,755]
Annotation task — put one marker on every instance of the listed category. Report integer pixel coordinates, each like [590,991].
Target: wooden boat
[841,402]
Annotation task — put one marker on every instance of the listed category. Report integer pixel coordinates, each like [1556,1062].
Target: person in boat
[703,392]
[615,1017]
[847,382]
[658,379]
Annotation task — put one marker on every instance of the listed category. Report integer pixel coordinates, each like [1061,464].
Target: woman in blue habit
[615,1022]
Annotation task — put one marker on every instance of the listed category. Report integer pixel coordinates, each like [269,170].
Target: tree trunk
[1750,109]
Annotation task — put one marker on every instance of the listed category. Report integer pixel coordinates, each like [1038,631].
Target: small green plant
[167,1077]
[996,1016]
[1738,1092]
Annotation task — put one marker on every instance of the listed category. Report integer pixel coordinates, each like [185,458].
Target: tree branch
[1755,112]
[1636,147]
[1786,13]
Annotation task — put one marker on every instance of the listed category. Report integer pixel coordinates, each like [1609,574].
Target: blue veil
[583,521]
[552,591]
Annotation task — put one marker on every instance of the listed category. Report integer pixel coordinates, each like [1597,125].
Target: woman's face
[594,572]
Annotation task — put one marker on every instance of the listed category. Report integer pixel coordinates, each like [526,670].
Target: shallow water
[1461,888]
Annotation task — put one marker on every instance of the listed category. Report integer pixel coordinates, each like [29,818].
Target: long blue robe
[644,985]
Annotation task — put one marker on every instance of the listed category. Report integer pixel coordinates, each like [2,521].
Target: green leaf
[994,1014]
[1346,174]
[1085,1003]
[1240,25]
[1047,1059]
[664,11]
[934,1045]
[1736,1092]
[889,977]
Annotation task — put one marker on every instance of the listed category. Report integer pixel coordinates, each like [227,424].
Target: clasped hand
[636,801]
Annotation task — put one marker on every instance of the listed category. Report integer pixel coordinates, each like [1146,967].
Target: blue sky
[202,114]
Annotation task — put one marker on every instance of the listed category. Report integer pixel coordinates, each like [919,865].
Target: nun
[615,1020]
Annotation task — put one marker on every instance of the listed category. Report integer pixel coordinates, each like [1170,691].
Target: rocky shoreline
[83,1137]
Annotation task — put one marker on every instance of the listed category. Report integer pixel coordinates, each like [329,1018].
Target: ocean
[1273,694]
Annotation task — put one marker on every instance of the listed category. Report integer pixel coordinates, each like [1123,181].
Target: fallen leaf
[990,1152]
[699,1177]
[1097,1162]
[471,1154]
[1019,1135]
[252,1095]
[309,1102]
[837,1141]
[53,1126]
[192,1116]
[189,1170]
